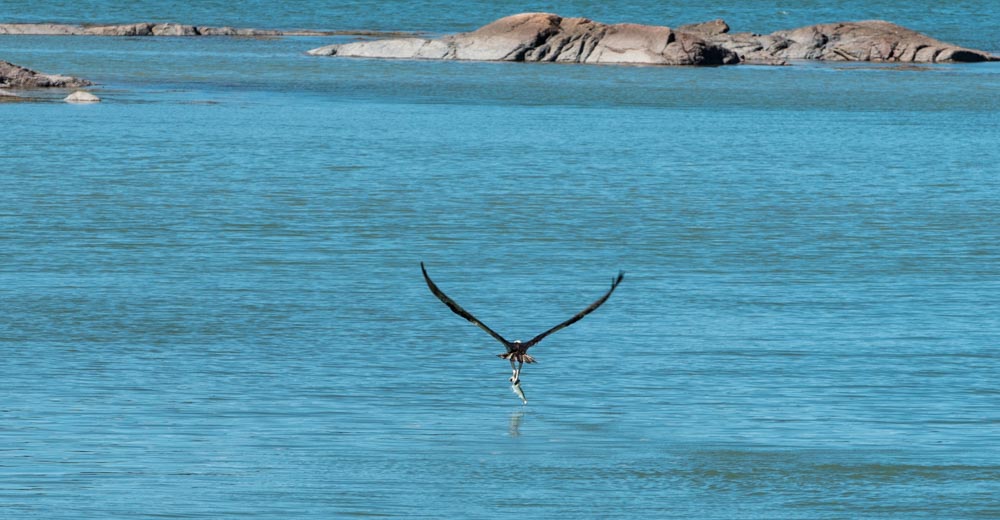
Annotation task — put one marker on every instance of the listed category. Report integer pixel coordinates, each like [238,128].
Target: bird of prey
[517,351]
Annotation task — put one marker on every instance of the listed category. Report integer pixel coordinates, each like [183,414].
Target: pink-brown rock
[871,40]
[876,40]
[549,37]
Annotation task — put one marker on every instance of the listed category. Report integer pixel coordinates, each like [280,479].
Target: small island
[546,37]
[172,29]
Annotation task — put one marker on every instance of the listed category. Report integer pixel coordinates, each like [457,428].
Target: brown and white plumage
[517,350]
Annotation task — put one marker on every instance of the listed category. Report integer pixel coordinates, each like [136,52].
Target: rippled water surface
[211,304]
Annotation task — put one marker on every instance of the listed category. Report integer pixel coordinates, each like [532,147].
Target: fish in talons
[516,387]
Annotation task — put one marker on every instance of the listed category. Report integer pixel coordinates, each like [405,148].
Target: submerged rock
[549,37]
[81,96]
[19,77]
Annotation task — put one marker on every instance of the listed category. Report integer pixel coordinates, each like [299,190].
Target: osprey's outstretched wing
[457,309]
[614,283]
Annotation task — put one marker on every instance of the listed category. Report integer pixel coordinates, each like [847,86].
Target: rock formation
[168,29]
[871,40]
[549,37]
[14,76]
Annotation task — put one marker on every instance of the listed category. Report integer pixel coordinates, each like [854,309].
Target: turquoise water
[211,303]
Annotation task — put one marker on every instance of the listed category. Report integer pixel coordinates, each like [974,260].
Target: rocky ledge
[870,40]
[168,29]
[14,76]
[549,37]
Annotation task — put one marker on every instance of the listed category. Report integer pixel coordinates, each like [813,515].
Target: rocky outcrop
[37,28]
[549,37]
[169,29]
[14,76]
[872,40]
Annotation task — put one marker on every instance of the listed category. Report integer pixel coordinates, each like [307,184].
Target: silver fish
[516,387]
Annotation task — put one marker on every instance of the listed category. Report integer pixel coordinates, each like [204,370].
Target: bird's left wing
[593,306]
[457,309]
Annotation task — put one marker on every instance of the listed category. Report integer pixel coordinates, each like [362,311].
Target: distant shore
[546,37]
[16,76]
[174,29]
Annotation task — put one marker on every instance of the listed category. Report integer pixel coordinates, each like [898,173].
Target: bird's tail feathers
[523,358]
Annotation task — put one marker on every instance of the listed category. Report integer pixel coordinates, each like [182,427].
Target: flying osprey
[516,350]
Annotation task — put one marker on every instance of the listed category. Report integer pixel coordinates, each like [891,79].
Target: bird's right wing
[593,306]
[457,309]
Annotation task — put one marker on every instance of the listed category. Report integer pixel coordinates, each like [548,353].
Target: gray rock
[232,31]
[39,29]
[19,77]
[173,29]
[410,48]
[135,29]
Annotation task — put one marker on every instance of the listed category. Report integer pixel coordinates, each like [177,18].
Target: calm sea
[211,303]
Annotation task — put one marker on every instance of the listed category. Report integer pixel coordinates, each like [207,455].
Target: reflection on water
[515,423]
